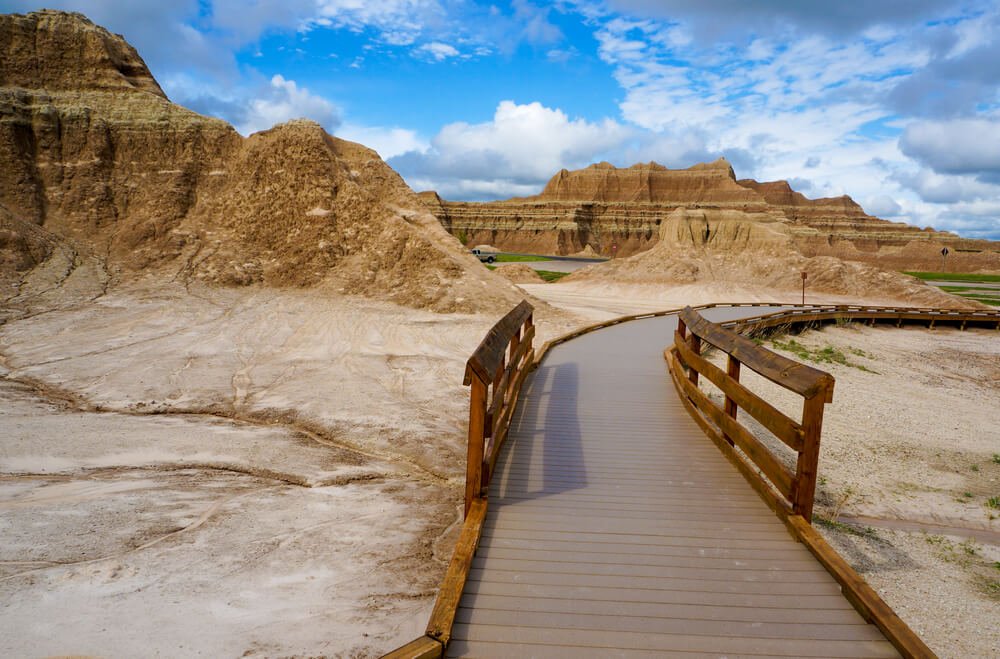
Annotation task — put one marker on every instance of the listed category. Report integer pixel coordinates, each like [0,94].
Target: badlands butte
[231,411]
[619,212]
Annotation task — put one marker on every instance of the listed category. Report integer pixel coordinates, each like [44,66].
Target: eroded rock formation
[101,171]
[753,250]
[619,211]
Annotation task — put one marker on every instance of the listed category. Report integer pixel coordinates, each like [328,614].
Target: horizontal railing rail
[801,436]
[985,318]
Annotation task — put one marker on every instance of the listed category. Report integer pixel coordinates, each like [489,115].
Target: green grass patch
[983,296]
[952,276]
[547,275]
[827,355]
[550,276]
[960,289]
[518,258]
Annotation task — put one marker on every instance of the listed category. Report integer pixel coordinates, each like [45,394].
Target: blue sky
[895,102]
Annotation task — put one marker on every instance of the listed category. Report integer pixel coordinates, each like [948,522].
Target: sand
[221,472]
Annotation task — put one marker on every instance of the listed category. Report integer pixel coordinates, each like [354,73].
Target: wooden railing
[802,436]
[790,496]
[898,316]
[495,373]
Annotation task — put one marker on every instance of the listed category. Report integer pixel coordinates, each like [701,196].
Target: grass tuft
[518,258]
[550,276]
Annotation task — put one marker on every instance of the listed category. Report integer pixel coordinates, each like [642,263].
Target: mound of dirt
[709,246]
[520,273]
[587,252]
[98,159]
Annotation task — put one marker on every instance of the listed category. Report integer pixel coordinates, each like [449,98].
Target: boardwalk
[616,528]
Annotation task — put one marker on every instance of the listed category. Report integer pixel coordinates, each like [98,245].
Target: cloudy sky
[895,102]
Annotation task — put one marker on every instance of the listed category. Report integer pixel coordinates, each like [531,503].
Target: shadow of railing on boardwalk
[548,433]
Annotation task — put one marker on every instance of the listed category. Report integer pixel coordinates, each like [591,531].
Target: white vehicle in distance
[485,257]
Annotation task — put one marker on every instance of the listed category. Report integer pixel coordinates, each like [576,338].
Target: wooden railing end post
[477,442]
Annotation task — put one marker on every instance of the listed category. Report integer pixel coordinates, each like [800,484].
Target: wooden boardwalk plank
[615,528]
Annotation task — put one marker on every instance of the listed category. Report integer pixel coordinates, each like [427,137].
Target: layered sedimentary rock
[611,210]
[619,211]
[755,251]
[100,169]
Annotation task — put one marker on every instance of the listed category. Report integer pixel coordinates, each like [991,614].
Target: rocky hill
[103,174]
[732,248]
[619,211]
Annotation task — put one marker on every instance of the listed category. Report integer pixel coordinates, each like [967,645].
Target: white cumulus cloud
[521,148]
[389,142]
[285,100]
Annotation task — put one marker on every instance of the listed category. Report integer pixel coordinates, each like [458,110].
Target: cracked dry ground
[222,474]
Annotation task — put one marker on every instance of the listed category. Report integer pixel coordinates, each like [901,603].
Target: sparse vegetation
[996,458]
[842,500]
[993,503]
[850,529]
[827,355]
[550,276]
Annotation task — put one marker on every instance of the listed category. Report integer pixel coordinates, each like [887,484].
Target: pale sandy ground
[213,473]
[194,473]
[600,301]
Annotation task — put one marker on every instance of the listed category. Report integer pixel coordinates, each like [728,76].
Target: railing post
[477,442]
[804,488]
[733,371]
[695,343]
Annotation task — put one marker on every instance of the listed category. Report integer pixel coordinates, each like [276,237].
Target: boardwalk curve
[616,529]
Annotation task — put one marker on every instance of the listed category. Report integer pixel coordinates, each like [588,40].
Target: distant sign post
[944,256]
[614,249]
[804,276]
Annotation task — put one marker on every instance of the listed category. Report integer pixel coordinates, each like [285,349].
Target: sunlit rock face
[619,211]
[100,168]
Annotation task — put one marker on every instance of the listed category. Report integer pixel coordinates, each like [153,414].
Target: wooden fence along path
[617,528]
